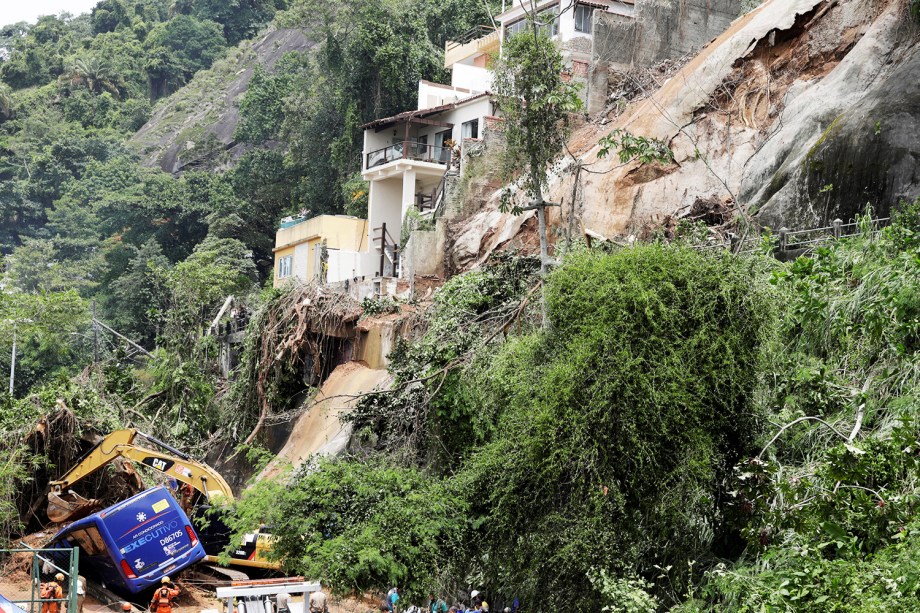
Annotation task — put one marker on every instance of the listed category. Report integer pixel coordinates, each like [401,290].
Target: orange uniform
[162,599]
[53,590]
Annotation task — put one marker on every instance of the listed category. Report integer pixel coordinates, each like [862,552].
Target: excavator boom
[65,505]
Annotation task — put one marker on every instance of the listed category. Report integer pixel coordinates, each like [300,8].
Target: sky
[13,11]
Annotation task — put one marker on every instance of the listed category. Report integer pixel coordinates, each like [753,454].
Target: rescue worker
[283,602]
[318,602]
[53,589]
[162,598]
[81,593]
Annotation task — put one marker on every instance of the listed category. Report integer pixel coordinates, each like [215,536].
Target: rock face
[800,112]
[194,127]
[862,147]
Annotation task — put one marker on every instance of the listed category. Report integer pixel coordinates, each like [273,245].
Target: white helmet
[474,593]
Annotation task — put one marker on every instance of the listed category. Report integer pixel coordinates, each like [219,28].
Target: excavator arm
[120,444]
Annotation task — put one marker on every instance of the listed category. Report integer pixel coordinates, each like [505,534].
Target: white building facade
[407,156]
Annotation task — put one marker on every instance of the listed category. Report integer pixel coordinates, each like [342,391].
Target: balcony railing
[409,150]
[469,36]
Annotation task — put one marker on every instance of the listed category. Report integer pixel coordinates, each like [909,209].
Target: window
[547,19]
[89,540]
[470,129]
[442,152]
[584,16]
[284,266]
[442,137]
[515,28]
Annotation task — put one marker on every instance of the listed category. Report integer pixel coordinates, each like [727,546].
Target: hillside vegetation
[705,432]
[658,426]
[81,220]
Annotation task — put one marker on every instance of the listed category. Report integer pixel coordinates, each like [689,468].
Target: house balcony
[479,40]
[422,157]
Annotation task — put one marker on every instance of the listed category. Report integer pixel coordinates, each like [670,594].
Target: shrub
[359,525]
[619,424]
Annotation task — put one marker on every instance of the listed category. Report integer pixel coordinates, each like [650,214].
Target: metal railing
[470,35]
[797,241]
[48,562]
[408,150]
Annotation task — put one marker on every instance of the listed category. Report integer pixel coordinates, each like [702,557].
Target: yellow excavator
[65,504]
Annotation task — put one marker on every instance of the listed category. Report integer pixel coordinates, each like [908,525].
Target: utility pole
[13,361]
[95,336]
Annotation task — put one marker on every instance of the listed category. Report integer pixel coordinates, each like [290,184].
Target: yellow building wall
[277,282]
[339,231]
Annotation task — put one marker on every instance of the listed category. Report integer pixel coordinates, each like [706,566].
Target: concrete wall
[384,206]
[659,29]
[424,253]
[474,78]
[344,265]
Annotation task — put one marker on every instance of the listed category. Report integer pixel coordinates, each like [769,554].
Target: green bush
[360,525]
[619,424]
[830,509]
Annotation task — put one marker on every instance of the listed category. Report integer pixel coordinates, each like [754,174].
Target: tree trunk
[544,248]
[540,204]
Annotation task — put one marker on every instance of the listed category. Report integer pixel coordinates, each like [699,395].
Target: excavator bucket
[70,506]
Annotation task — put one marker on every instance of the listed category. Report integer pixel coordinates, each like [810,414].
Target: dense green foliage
[158,253]
[594,442]
[619,425]
[358,525]
[830,508]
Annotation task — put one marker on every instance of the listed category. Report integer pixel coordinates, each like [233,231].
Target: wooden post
[783,238]
[838,228]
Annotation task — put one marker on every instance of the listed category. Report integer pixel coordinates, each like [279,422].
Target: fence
[47,563]
[798,241]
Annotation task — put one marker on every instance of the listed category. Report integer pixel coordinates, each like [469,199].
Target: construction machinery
[65,504]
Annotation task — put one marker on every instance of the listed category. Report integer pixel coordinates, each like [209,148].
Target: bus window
[89,540]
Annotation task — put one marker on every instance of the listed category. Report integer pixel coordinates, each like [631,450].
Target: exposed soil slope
[319,430]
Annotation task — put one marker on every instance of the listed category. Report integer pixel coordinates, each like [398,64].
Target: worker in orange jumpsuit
[162,598]
[53,589]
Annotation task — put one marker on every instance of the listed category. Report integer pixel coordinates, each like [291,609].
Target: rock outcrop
[801,112]
[194,128]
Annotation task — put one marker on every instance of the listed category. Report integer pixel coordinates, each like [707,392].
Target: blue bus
[130,546]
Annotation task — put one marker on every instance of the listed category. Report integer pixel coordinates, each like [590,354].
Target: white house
[407,156]
[570,22]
